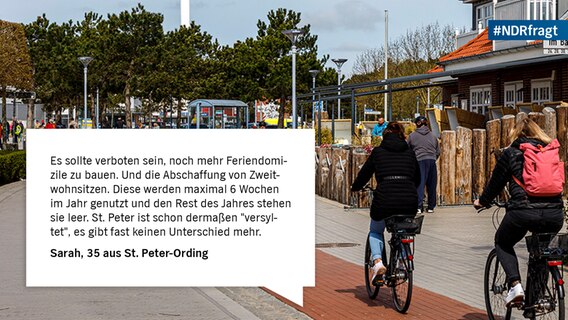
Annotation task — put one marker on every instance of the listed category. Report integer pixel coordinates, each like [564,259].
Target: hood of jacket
[392,142]
[517,143]
[424,130]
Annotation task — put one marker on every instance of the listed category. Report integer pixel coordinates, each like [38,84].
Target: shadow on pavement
[384,299]
[474,316]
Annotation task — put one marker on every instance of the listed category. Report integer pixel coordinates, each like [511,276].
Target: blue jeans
[376,238]
[428,179]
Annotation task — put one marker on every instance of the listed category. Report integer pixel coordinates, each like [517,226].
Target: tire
[401,281]
[552,295]
[495,289]
[372,290]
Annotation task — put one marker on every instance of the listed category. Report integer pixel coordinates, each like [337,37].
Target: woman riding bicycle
[398,174]
[523,212]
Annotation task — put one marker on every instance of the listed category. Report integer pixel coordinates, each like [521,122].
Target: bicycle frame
[399,243]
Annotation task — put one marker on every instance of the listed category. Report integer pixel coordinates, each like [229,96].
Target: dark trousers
[428,178]
[514,227]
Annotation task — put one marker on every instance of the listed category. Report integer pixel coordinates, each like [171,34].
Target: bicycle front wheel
[401,281]
[372,290]
[495,289]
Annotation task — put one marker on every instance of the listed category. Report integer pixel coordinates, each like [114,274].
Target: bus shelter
[211,113]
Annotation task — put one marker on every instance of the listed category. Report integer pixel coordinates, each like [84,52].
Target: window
[484,13]
[513,93]
[541,9]
[480,98]
[541,91]
[455,99]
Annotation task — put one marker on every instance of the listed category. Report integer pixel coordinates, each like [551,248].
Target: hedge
[12,166]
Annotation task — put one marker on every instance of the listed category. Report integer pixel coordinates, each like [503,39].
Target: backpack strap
[522,185]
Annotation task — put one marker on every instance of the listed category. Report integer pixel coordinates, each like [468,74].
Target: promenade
[449,259]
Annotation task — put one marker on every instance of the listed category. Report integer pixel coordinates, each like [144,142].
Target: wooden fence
[468,157]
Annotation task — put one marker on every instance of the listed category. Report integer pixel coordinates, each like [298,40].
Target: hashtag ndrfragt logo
[497,30]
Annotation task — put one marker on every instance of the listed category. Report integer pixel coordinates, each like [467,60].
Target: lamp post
[85,61]
[293,36]
[339,63]
[314,74]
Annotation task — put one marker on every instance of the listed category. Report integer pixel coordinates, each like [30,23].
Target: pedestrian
[379,128]
[524,212]
[396,171]
[423,142]
[119,123]
[18,131]
[73,124]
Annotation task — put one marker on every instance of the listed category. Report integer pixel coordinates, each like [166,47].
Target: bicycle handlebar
[493,203]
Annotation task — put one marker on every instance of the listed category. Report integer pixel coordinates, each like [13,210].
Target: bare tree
[413,53]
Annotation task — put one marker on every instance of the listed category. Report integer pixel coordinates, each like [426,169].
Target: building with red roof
[504,73]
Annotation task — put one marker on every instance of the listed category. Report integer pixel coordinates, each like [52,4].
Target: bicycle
[399,273]
[544,294]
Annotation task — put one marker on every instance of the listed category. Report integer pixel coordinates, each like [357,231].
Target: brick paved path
[340,294]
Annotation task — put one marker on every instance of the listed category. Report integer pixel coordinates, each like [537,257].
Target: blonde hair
[528,129]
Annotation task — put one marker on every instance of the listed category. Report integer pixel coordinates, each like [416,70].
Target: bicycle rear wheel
[495,289]
[549,303]
[372,290]
[401,281]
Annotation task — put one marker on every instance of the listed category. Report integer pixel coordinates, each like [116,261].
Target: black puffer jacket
[397,172]
[511,163]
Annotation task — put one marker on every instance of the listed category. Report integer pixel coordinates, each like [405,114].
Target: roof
[217,103]
[476,46]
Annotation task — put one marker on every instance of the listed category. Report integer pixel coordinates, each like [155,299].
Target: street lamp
[339,63]
[85,61]
[293,36]
[314,74]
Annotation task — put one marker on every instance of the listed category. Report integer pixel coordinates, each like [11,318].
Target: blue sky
[345,28]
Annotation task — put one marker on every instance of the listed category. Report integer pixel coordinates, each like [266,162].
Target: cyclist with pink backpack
[532,167]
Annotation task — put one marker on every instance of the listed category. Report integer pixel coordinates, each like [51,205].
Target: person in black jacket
[523,213]
[397,173]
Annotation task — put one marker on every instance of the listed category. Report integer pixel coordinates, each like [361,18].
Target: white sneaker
[419,211]
[430,211]
[516,294]
[378,269]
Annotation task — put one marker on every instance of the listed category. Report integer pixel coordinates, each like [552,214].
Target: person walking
[397,174]
[379,128]
[538,214]
[423,142]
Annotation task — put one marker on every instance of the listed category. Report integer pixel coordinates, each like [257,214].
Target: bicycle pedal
[378,281]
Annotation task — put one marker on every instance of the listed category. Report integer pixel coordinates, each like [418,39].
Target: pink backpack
[543,172]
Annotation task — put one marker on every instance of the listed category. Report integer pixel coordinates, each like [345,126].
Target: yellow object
[274,122]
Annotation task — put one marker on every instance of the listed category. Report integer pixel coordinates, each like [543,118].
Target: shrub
[325,136]
[12,166]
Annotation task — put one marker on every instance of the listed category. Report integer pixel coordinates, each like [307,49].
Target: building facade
[509,72]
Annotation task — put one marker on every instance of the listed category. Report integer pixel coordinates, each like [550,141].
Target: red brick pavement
[340,294]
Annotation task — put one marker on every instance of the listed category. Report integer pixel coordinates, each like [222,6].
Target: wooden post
[359,159]
[463,166]
[493,144]
[448,162]
[537,117]
[479,162]
[520,116]
[326,173]
[507,123]
[550,122]
[339,174]
[318,170]
[562,135]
